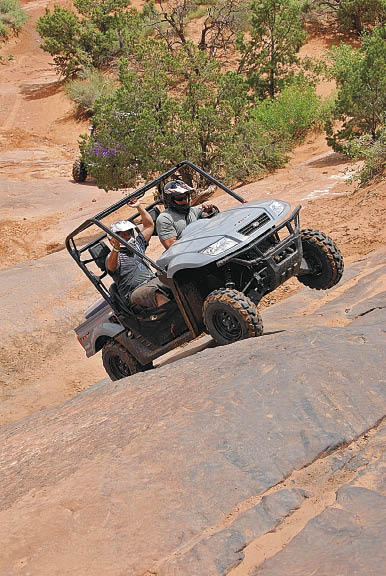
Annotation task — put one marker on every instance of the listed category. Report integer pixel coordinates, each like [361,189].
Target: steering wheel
[203,214]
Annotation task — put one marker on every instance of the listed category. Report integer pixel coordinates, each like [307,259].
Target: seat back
[99,253]
[154,213]
[122,305]
[157,326]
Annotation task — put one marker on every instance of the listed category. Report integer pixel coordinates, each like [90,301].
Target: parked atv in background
[83,166]
[79,168]
[216,274]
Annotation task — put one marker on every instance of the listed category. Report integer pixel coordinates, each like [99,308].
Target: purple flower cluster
[103,151]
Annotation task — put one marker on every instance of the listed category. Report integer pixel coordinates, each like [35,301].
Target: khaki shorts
[144,295]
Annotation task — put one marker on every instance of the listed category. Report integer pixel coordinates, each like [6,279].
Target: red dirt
[40,204]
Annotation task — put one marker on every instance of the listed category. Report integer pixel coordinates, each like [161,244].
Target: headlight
[219,246]
[277,207]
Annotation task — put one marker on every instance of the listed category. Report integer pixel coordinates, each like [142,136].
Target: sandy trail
[40,205]
[42,292]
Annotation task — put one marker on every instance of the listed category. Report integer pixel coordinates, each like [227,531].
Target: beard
[181,208]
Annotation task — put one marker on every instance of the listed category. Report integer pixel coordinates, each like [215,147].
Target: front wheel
[230,316]
[323,259]
[118,362]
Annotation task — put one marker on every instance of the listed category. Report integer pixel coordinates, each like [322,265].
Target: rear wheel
[118,362]
[324,259]
[230,316]
[79,171]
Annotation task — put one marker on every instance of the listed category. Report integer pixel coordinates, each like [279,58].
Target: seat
[99,253]
[133,309]
[122,305]
[154,213]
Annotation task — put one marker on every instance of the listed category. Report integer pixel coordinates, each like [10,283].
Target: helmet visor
[181,198]
[177,187]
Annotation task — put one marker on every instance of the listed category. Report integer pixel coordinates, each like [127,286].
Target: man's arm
[166,230]
[147,220]
[112,258]
[168,242]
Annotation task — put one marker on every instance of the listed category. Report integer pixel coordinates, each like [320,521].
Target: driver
[178,213]
[136,283]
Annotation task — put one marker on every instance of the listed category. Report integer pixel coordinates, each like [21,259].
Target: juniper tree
[276,35]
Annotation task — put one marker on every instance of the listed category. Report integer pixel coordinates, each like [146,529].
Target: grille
[255,224]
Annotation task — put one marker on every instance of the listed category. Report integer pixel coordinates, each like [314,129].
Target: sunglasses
[183,198]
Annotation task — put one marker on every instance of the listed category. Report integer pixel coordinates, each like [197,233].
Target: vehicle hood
[237,224]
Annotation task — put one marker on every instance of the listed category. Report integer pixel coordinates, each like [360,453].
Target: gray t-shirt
[131,271]
[171,223]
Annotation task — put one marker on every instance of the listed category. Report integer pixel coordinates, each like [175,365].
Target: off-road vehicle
[216,274]
[79,167]
[82,167]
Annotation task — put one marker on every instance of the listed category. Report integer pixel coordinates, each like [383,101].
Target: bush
[12,18]
[373,152]
[262,143]
[84,92]
[352,15]
[361,97]
[250,153]
[98,33]
[295,112]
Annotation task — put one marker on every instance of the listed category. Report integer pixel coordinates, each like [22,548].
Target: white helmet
[122,226]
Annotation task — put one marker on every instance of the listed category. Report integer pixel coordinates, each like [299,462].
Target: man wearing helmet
[135,281]
[178,213]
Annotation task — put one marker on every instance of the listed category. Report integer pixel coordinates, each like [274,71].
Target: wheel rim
[314,263]
[119,367]
[227,325]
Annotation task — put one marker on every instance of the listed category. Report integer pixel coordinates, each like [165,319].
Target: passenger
[178,213]
[135,281]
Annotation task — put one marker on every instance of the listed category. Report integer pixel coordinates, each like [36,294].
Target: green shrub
[250,153]
[373,153]
[84,91]
[99,32]
[262,143]
[295,112]
[360,104]
[12,18]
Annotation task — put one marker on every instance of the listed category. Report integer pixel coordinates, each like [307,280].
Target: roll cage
[78,253]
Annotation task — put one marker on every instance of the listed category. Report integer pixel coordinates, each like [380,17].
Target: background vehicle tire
[118,362]
[79,171]
[230,316]
[323,257]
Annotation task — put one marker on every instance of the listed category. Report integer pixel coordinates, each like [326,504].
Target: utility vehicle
[82,167]
[79,167]
[216,274]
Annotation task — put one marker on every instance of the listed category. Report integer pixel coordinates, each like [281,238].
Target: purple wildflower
[104,151]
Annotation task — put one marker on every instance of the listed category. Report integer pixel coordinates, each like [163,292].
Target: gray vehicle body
[243,224]
[237,224]
[215,275]
[97,327]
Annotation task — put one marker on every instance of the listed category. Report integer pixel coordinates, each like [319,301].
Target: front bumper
[278,252]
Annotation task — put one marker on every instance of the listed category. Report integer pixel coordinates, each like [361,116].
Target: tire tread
[243,304]
[79,172]
[331,250]
[132,363]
